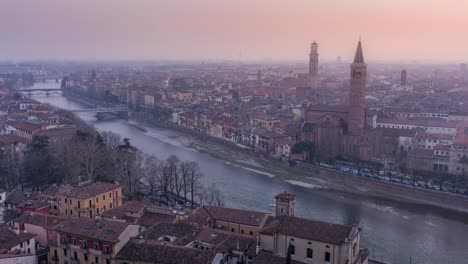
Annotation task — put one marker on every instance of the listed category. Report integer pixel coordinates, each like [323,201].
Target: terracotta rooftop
[87,191]
[16,198]
[9,239]
[43,220]
[231,215]
[102,230]
[307,229]
[157,252]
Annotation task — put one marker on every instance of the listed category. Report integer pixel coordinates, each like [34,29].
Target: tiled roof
[231,215]
[328,108]
[17,197]
[87,191]
[96,229]
[51,190]
[43,220]
[9,139]
[33,204]
[185,233]
[9,239]
[157,252]
[307,229]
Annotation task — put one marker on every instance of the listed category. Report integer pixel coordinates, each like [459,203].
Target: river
[393,232]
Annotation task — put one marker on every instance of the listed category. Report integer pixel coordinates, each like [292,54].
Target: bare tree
[213,196]
[111,140]
[193,181]
[172,166]
[151,171]
[64,161]
[92,156]
[129,168]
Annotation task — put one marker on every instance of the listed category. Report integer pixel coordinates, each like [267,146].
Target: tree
[193,184]
[36,162]
[212,196]
[92,156]
[64,165]
[129,168]
[151,170]
[9,166]
[304,147]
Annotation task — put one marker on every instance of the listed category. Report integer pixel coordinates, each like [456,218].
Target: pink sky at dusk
[257,29]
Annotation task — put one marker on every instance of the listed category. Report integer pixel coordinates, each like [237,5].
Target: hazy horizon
[255,30]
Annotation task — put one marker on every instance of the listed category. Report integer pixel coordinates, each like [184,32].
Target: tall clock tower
[357,93]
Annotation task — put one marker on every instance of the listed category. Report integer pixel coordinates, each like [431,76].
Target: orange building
[88,201]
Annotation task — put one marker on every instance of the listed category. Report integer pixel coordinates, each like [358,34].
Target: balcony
[84,250]
[77,247]
[81,209]
[95,252]
[74,261]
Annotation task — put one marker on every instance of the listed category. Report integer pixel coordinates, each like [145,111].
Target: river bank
[310,176]
[393,231]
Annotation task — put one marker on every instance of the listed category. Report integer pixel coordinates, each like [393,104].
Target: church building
[341,130]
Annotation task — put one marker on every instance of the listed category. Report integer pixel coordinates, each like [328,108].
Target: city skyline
[423,31]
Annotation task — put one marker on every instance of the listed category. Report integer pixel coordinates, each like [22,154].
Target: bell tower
[313,65]
[357,93]
[285,203]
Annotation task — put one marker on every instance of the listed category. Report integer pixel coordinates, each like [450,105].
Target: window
[232,229]
[95,245]
[96,260]
[85,244]
[66,200]
[110,205]
[107,249]
[327,257]
[309,253]
[97,210]
[75,256]
[103,197]
[64,252]
[293,249]
[97,199]
[89,203]
[70,201]
[86,257]
[242,231]
[251,233]
[71,212]
[74,241]
[79,204]
[110,195]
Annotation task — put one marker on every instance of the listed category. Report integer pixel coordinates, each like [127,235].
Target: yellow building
[88,201]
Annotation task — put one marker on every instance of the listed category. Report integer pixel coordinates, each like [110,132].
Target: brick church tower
[313,65]
[357,93]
